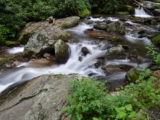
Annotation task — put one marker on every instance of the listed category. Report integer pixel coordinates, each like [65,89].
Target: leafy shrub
[89,100]
[113,6]
[86,100]
[3,32]
[153,53]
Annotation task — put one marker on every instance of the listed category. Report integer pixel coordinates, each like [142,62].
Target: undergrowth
[89,100]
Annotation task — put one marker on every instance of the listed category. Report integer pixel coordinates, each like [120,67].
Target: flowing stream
[139,12]
[77,63]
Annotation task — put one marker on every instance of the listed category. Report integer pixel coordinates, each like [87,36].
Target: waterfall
[139,12]
[15,50]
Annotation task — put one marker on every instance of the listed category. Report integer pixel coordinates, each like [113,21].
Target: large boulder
[149,4]
[42,35]
[101,35]
[101,26]
[116,26]
[39,99]
[116,50]
[61,51]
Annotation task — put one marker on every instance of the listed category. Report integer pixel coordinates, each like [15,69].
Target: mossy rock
[24,37]
[116,27]
[68,22]
[61,51]
[123,13]
[84,13]
[10,43]
[157,6]
[101,26]
[156,39]
[117,39]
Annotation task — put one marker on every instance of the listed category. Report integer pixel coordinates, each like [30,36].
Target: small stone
[85,51]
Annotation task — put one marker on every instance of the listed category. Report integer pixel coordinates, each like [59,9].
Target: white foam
[81,28]
[112,19]
[73,65]
[100,19]
[16,50]
[135,39]
[139,12]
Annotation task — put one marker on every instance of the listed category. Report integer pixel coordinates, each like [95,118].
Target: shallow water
[77,63]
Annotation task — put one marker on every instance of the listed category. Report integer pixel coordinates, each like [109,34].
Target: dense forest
[16,13]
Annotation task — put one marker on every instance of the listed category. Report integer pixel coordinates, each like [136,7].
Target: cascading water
[16,50]
[80,29]
[97,19]
[139,12]
[84,67]
[74,65]
[134,38]
[77,63]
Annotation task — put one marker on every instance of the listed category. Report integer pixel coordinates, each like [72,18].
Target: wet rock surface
[61,51]
[39,99]
[116,26]
[42,35]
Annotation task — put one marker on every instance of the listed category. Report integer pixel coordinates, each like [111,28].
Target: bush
[3,32]
[154,54]
[89,100]
[86,100]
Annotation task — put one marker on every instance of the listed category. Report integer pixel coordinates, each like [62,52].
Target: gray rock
[39,99]
[116,50]
[116,26]
[157,11]
[150,4]
[85,51]
[42,35]
[100,26]
[61,51]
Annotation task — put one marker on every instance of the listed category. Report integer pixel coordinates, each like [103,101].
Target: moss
[156,39]
[117,38]
[24,37]
[157,6]
[123,13]
[84,12]
[10,43]
[68,22]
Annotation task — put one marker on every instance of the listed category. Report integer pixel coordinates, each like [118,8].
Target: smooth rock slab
[39,99]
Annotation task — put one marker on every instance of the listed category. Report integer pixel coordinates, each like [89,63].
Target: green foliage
[88,100]
[3,32]
[153,53]
[16,13]
[145,92]
[113,6]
